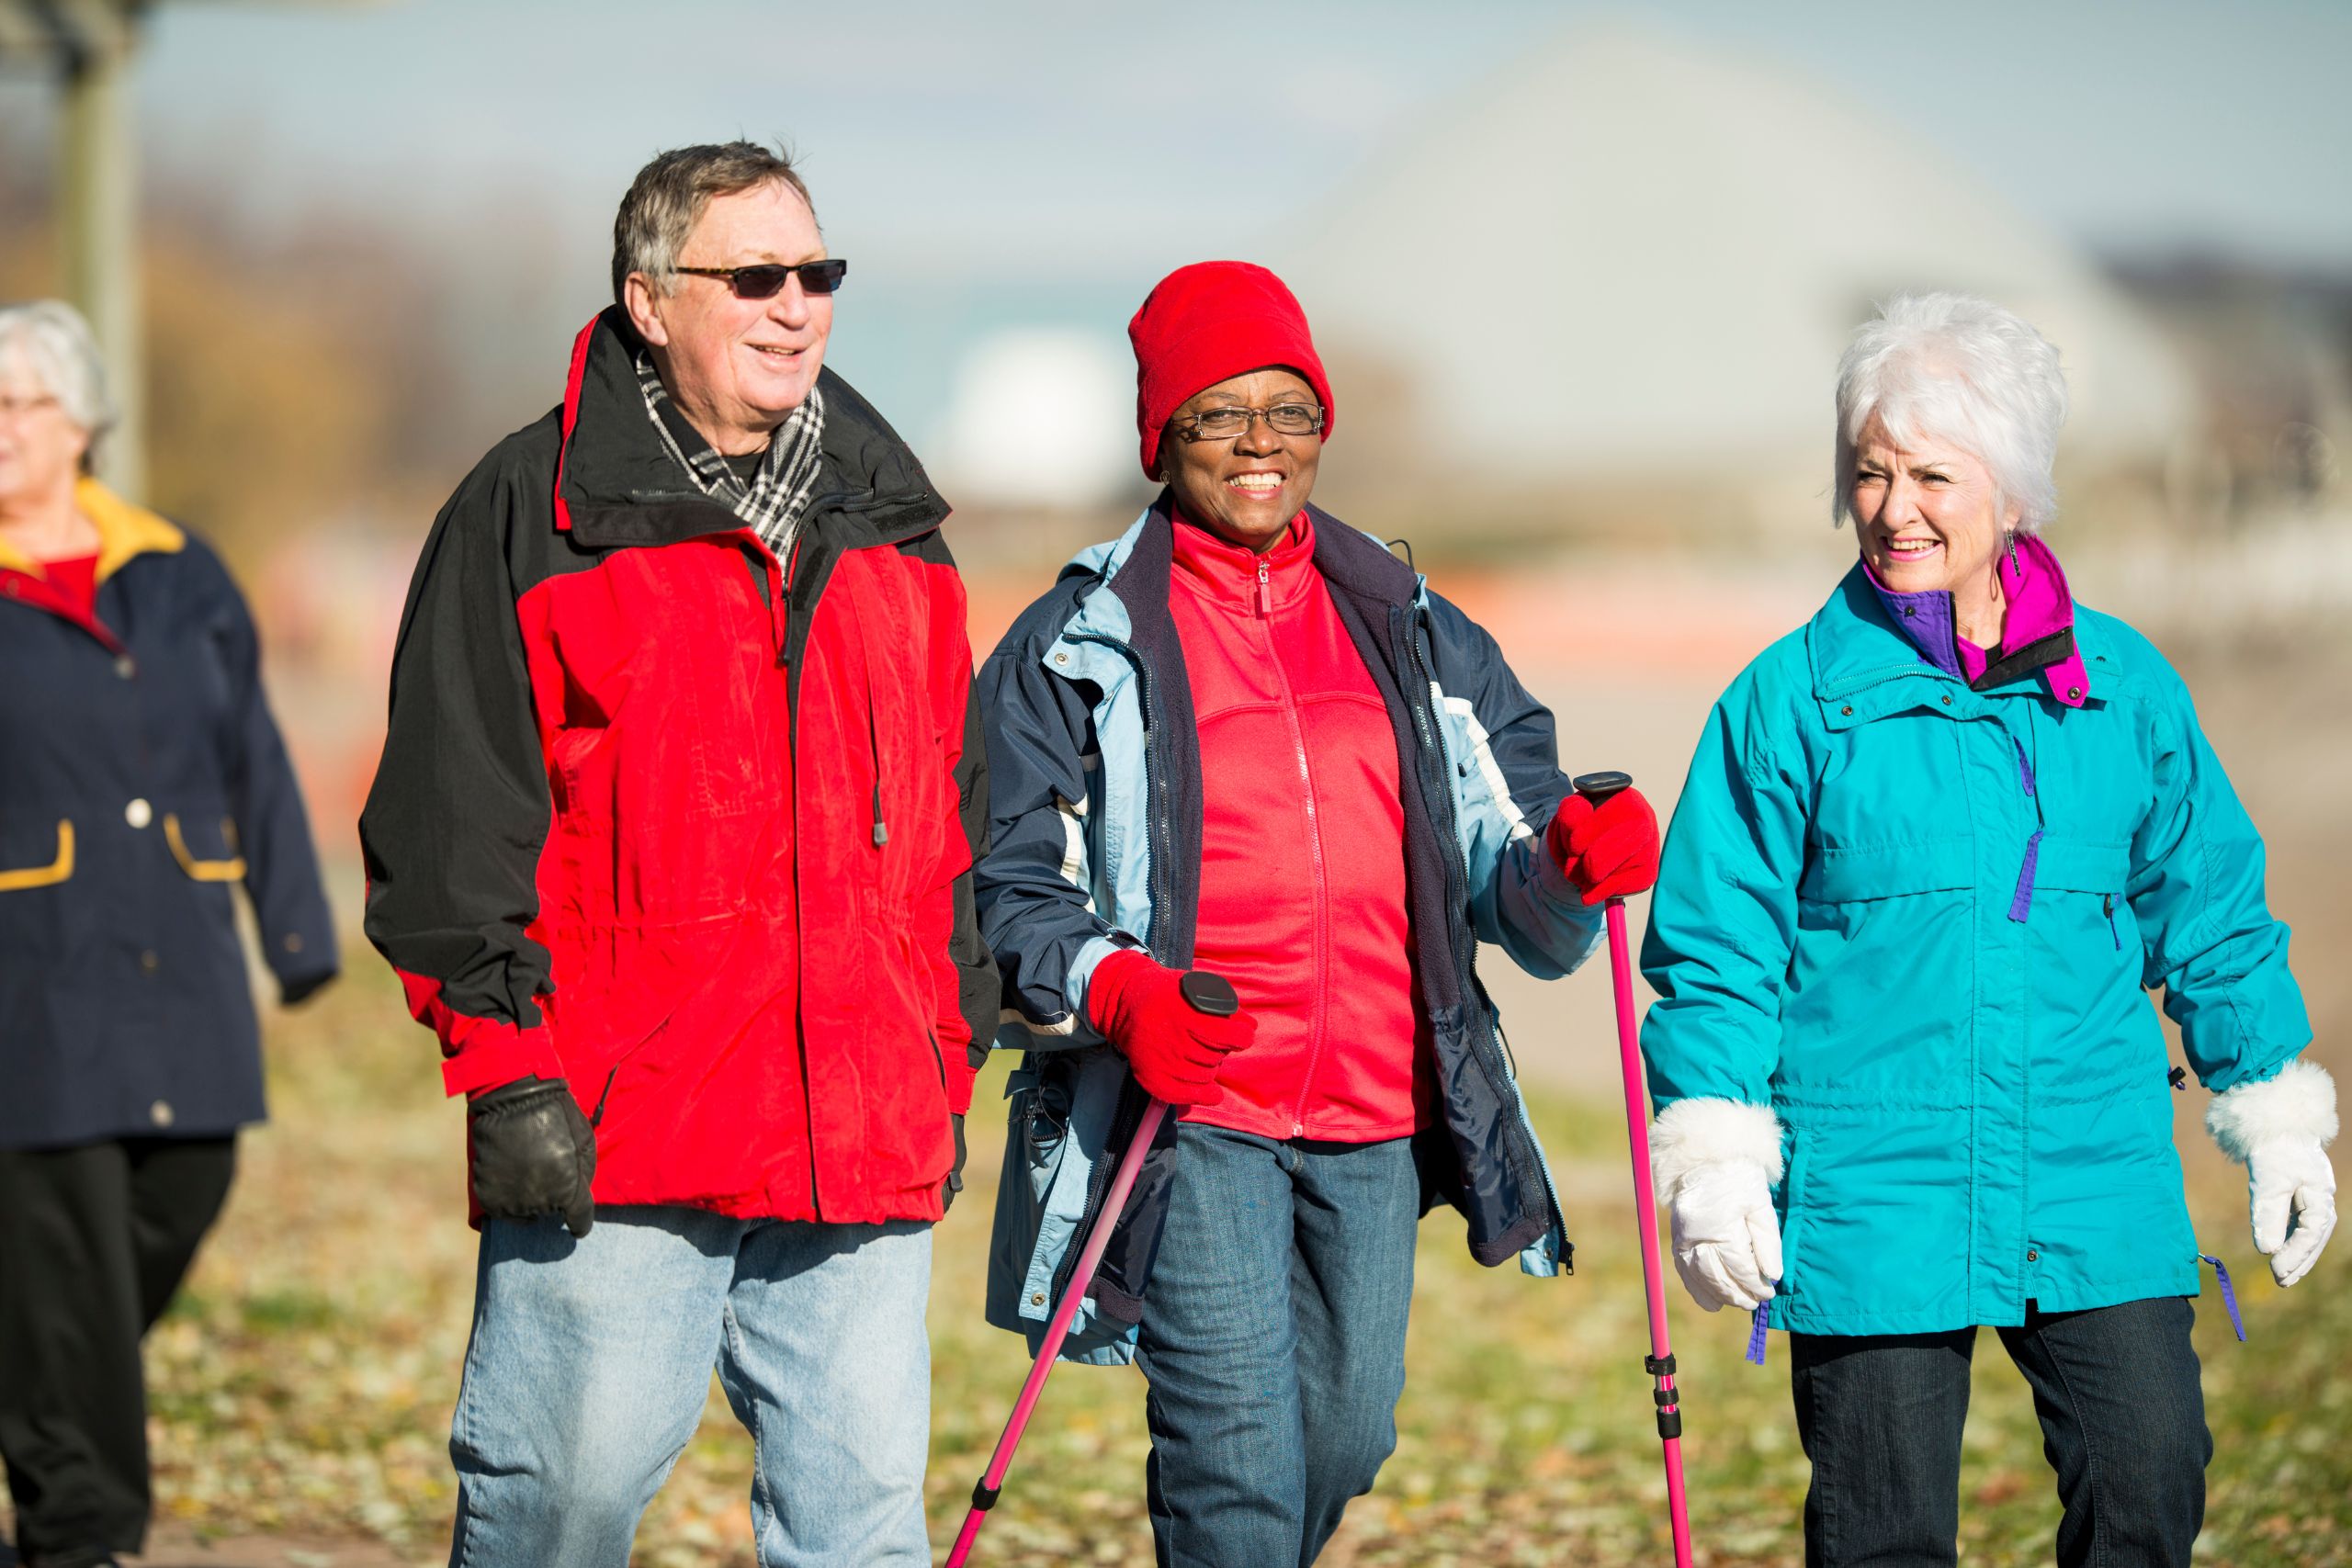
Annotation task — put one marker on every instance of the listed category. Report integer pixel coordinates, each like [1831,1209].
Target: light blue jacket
[1856,923]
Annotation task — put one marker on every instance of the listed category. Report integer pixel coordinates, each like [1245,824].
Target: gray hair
[668,197]
[56,345]
[1957,369]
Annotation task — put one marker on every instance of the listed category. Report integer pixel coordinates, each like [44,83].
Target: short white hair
[55,344]
[1953,368]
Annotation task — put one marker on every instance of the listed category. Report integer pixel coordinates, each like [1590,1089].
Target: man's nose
[789,308]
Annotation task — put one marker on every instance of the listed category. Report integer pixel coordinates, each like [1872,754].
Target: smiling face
[41,447]
[1928,516]
[738,367]
[1246,487]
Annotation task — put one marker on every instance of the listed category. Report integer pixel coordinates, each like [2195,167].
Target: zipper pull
[2107,906]
[1265,593]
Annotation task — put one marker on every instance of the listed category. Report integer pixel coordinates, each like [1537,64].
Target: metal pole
[98,200]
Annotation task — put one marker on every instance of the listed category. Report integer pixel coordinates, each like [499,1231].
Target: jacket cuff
[2297,1105]
[1690,1134]
[497,1054]
[1081,981]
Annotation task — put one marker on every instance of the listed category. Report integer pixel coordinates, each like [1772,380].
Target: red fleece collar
[1226,573]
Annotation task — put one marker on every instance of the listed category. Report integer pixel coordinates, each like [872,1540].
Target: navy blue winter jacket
[141,776]
[1095,813]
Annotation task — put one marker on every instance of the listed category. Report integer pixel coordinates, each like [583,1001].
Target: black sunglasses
[765,281]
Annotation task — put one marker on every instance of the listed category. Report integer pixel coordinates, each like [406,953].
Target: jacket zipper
[1163,849]
[1318,1019]
[1466,952]
[2107,903]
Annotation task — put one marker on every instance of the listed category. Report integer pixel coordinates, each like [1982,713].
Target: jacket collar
[2037,636]
[615,484]
[124,532]
[1130,573]
[1226,574]
[1854,645]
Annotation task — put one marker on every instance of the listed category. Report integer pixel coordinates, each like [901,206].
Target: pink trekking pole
[1211,994]
[1659,1362]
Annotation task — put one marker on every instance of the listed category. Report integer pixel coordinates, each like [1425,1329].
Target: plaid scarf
[774,503]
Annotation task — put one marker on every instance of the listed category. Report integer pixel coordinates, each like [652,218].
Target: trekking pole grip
[1597,787]
[1211,994]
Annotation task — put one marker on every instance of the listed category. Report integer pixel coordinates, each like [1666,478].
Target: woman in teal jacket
[1933,847]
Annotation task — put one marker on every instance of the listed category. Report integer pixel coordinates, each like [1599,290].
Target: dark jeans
[93,1240]
[2122,1424]
[1274,1335]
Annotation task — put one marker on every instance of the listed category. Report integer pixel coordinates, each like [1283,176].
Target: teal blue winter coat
[1857,924]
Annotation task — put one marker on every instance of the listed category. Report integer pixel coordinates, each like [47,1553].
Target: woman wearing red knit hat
[1246,738]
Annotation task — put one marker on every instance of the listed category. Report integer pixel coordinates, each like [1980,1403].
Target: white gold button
[138,812]
[160,1113]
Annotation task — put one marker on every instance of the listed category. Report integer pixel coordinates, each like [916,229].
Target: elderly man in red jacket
[672,845]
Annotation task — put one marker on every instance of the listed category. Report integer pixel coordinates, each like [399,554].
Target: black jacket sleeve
[459,809]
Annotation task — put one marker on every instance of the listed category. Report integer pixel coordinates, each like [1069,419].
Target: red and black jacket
[689,827]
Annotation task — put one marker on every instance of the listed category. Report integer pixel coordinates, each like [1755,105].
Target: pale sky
[1028,160]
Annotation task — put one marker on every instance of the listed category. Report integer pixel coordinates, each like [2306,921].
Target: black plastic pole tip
[1597,787]
[1211,994]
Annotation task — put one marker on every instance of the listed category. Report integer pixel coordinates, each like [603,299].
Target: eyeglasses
[17,407]
[1225,423]
[765,281]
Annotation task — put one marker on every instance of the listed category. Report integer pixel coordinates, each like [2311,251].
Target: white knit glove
[1714,1162]
[2280,1131]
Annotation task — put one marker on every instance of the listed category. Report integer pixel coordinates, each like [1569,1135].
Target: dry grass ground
[303,1384]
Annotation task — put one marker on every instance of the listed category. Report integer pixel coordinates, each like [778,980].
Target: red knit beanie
[1210,321]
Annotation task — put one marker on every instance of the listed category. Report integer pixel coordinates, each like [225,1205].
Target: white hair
[1953,368]
[55,343]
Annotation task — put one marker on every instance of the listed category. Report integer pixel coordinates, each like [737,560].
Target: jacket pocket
[17,878]
[212,859]
[2080,865]
[1860,874]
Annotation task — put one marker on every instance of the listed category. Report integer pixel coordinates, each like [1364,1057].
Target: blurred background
[1581,274]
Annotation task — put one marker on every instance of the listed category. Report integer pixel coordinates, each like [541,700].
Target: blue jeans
[2122,1423]
[590,1361]
[1274,1335]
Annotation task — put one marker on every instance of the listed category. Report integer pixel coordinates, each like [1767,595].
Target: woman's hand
[2279,1130]
[1726,1238]
[2290,1189]
[1174,1048]
[1714,1161]
[1608,851]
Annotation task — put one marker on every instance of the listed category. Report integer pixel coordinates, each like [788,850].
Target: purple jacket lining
[2041,603]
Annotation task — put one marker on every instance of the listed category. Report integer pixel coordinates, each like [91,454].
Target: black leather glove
[955,1182]
[529,1152]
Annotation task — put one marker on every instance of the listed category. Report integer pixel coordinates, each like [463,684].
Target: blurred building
[2271,354]
[1607,291]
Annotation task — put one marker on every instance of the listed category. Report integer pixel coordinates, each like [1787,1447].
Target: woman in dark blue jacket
[141,776]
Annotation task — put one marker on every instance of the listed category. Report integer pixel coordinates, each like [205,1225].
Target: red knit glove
[1608,851]
[1175,1049]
